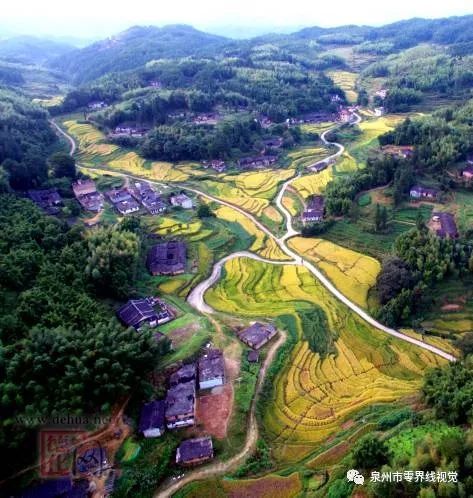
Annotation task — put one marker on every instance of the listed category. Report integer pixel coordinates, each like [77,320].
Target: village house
[420,192]
[152,421]
[314,210]
[167,258]
[48,200]
[344,116]
[155,84]
[311,118]
[194,451]
[148,311]
[382,94]
[97,105]
[401,151]
[186,373]
[181,200]
[180,405]
[468,172]
[379,111]
[257,335]
[211,369]
[127,207]
[257,162]
[87,195]
[444,225]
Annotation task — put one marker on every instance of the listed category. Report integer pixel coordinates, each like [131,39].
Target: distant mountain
[135,47]
[31,49]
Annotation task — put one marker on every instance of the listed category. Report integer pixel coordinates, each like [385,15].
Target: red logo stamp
[56,451]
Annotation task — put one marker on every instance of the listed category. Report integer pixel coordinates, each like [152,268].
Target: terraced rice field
[262,245]
[346,81]
[252,191]
[84,133]
[313,183]
[313,396]
[306,156]
[352,273]
[169,226]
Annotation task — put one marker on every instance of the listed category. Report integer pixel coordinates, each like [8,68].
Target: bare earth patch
[181,335]
[213,411]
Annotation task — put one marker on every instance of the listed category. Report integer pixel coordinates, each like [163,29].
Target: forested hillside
[25,141]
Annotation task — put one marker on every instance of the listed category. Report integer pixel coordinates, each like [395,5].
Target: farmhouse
[180,405]
[181,200]
[379,111]
[187,373]
[382,93]
[468,172]
[314,210]
[211,369]
[168,258]
[140,312]
[344,116]
[257,335]
[419,192]
[127,207]
[155,84]
[48,200]
[97,105]
[445,225]
[402,151]
[257,162]
[118,195]
[195,451]
[152,423]
[87,195]
[207,119]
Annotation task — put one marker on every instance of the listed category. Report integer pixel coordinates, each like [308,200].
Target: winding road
[197,301]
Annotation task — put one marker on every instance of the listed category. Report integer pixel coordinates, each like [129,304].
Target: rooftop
[135,311]
[211,365]
[194,449]
[152,415]
[168,257]
[257,334]
[180,399]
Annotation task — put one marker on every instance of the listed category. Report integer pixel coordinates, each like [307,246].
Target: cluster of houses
[311,118]
[314,210]
[420,192]
[86,193]
[177,410]
[207,119]
[129,200]
[97,105]
[216,164]
[130,130]
[257,162]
